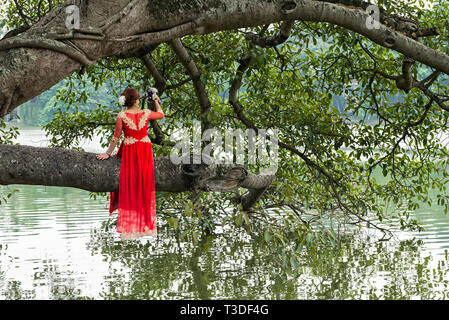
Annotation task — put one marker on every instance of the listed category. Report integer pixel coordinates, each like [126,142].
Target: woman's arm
[114,141]
[158,114]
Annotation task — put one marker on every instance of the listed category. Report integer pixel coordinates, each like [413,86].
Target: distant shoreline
[21,126]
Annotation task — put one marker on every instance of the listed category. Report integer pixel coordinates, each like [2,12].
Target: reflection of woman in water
[136,197]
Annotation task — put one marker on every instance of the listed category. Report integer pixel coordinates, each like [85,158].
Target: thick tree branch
[45,43]
[16,32]
[200,89]
[406,81]
[402,24]
[70,168]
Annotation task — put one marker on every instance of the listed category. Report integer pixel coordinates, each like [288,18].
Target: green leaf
[294,262]
[267,236]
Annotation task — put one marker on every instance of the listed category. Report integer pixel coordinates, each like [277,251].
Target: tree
[254,65]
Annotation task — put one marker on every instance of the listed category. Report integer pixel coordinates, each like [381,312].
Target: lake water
[53,245]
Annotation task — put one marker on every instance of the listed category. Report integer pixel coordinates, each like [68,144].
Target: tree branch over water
[70,168]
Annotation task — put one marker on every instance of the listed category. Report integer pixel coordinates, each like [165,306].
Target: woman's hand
[158,106]
[103,156]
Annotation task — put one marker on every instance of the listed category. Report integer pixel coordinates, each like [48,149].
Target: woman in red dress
[136,197]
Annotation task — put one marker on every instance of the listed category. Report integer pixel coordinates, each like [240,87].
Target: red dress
[136,196]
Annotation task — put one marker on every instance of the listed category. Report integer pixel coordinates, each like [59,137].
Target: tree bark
[46,53]
[70,168]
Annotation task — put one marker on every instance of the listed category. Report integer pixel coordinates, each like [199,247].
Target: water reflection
[55,244]
[165,269]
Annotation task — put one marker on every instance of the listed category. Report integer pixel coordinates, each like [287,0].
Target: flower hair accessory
[122,100]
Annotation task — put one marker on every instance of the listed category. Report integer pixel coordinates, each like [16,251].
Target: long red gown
[136,197]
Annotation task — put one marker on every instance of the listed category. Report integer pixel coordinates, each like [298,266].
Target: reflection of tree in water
[156,269]
[236,268]
[60,285]
[379,270]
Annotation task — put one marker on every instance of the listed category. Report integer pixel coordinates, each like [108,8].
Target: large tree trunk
[48,52]
[70,168]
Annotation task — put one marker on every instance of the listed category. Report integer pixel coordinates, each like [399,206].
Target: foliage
[325,184]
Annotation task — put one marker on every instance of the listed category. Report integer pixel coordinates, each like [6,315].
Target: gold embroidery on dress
[115,139]
[131,140]
[127,120]
[131,123]
[143,119]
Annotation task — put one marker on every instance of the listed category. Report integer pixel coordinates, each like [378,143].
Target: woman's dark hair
[131,96]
